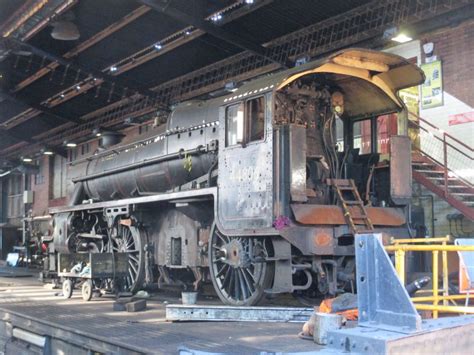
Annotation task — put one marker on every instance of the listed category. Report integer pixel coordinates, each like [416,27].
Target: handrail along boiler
[237,191]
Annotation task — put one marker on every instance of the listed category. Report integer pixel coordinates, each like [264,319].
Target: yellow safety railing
[401,246]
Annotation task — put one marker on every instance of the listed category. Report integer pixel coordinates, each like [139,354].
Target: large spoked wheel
[130,240]
[239,278]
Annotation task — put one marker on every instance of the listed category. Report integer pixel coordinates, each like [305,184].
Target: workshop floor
[147,330]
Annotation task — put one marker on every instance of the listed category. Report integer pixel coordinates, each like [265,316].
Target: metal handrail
[445,144]
[437,246]
[440,130]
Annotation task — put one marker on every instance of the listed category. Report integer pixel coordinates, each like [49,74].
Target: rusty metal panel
[334,215]
[400,169]
[245,186]
[298,163]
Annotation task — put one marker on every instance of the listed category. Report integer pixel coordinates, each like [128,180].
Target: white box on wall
[28,196]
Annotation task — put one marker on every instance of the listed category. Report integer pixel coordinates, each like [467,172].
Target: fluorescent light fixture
[249,2]
[402,38]
[113,68]
[47,151]
[71,145]
[158,46]
[27,160]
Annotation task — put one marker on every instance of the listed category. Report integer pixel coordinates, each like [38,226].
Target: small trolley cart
[92,272]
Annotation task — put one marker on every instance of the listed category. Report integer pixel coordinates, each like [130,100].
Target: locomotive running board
[208,191]
[183,313]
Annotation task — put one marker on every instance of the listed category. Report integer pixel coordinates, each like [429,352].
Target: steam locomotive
[239,190]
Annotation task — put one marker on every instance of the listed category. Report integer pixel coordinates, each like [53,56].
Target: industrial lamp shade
[65,31]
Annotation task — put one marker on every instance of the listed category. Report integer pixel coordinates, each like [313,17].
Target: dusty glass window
[256,118]
[234,124]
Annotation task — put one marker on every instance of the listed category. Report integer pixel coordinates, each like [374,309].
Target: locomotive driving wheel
[238,270]
[130,240]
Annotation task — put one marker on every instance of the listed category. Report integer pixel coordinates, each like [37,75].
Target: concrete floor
[147,330]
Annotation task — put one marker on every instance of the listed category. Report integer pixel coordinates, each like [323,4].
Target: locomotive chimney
[108,139]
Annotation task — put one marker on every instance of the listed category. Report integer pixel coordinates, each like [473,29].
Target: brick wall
[40,184]
[455,47]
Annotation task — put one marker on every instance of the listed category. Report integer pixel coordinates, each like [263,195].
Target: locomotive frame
[244,201]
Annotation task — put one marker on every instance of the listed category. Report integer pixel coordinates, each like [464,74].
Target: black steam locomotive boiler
[249,190]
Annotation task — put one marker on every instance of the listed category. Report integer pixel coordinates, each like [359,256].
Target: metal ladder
[343,186]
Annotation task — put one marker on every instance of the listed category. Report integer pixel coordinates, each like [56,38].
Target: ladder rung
[345,188]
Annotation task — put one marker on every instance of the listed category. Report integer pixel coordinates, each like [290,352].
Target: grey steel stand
[388,320]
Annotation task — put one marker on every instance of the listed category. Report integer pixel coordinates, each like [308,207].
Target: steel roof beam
[166,8]
[16,44]
[99,36]
[45,110]
[17,137]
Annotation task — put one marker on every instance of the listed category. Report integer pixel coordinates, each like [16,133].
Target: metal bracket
[112,213]
[383,301]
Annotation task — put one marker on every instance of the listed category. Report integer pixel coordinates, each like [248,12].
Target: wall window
[245,122]
[235,124]
[15,196]
[72,154]
[59,177]
[85,149]
[143,129]
[39,176]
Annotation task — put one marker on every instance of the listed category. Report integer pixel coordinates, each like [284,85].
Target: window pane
[386,127]
[339,134]
[256,117]
[362,136]
[235,124]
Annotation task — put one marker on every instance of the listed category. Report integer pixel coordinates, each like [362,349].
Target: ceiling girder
[15,44]
[45,110]
[125,64]
[93,40]
[313,40]
[165,7]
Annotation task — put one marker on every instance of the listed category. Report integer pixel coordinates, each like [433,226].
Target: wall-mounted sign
[461,118]
[432,88]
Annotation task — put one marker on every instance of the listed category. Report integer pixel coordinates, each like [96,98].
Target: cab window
[245,122]
[234,124]
[256,118]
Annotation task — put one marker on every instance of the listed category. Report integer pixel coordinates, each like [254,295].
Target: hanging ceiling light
[65,31]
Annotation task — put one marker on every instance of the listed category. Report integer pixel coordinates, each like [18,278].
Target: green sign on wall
[432,88]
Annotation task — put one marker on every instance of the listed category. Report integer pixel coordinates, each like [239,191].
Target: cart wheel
[67,288]
[87,290]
